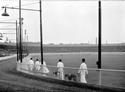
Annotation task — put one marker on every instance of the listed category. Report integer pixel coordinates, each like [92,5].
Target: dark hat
[83,59]
[60,60]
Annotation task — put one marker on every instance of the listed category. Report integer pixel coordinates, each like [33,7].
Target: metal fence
[108,77]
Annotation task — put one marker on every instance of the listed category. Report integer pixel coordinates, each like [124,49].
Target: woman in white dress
[45,70]
[37,65]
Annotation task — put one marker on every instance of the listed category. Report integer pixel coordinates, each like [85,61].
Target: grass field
[110,60]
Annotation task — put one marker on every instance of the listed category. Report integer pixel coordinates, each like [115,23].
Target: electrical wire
[11,19]
[30,0]
[27,4]
[7,28]
[77,0]
[8,25]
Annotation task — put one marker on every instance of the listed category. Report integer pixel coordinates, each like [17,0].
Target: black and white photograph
[62,45]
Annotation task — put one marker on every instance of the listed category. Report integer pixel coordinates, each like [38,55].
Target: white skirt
[45,69]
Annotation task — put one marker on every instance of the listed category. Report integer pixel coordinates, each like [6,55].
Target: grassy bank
[35,48]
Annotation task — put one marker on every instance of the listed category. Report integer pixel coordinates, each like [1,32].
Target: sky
[68,21]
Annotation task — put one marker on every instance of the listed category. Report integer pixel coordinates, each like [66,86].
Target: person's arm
[86,70]
[79,69]
[57,67]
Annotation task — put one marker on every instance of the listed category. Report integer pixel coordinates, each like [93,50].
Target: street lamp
[5,13]
[41,42]
[20,46]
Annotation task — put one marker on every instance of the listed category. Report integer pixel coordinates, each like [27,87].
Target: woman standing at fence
[45,70]
[60,67]
[83,71]
[37,65]
[31,64]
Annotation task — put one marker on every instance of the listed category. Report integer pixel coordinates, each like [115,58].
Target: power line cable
[11,19]
[27,4]
[30,0]
[8,25]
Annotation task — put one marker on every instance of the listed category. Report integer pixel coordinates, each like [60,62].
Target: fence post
[100,77]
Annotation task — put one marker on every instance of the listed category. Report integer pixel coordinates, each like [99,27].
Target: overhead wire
[34,2]
[11,19]
[28,4]
[8,25]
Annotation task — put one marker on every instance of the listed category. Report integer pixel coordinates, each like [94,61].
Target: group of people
[82,71]
[37,66]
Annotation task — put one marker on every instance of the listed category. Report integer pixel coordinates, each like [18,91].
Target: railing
[108,77]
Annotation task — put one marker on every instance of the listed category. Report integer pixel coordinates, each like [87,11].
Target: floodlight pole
[99,36]
[99,41]
[41,39]
[17,43]
[20,23]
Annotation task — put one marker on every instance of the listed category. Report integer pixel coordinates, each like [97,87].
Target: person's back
[83,68]
[60,67]
[37,65]
[83,71]
[31,64]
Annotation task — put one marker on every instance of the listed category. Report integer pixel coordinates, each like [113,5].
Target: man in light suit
[31,64]
[60,67]
[83,71]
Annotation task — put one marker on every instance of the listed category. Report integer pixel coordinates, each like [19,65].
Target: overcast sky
[69,21]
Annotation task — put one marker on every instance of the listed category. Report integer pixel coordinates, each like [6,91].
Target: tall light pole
[41,39]
[17,45]
[20,25]
[26,40]
[99,34]
[99,41]
[20,29]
